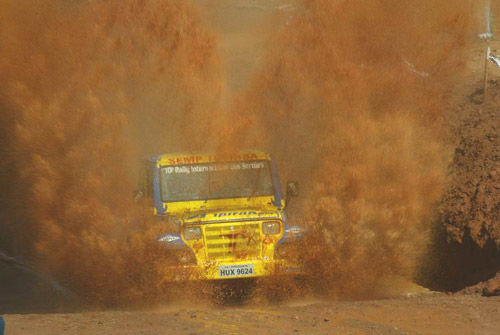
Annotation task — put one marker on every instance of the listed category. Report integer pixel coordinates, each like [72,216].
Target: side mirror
[294,233]
[292,190]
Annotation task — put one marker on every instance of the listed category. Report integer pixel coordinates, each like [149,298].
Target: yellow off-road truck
[229,211]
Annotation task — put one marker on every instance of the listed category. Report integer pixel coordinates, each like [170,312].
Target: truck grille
[233,241]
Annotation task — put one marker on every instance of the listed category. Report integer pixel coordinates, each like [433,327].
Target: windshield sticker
[212,168]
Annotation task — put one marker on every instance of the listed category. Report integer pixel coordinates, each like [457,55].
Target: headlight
[271,228]
[169,238]
[192,233]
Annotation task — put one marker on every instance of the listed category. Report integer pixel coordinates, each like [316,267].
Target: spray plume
[89,88]
[352,101]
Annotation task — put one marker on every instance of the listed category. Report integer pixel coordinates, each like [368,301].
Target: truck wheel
[278,289]
[233,292]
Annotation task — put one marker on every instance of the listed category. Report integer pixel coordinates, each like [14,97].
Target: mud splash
[354,101]
[87,89]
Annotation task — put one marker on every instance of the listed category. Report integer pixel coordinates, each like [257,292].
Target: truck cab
[229,211]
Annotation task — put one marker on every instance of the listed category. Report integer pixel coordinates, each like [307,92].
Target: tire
[233,291]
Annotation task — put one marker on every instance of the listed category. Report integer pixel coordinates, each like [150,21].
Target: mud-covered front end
[234,244]
[229,211]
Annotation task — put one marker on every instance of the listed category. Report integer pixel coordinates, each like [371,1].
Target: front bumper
[261,268]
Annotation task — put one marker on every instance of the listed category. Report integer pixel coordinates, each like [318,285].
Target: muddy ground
[427,314]
[34,304]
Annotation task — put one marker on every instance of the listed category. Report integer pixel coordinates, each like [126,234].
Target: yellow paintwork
[183,208]
[242,245]
[226,224]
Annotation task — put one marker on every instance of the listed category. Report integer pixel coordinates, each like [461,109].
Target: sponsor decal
[245,213]
[233,215]
[220,215]
[211,158]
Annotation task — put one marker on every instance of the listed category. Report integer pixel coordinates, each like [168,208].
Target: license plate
[236,270]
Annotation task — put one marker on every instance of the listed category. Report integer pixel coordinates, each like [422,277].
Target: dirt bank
[471,205]
[466,240]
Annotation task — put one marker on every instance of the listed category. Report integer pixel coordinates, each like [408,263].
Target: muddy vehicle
[229,214]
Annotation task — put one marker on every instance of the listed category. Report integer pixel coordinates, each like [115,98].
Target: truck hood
[214,216]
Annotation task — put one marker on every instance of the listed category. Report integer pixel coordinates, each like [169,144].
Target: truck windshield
[216,181]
